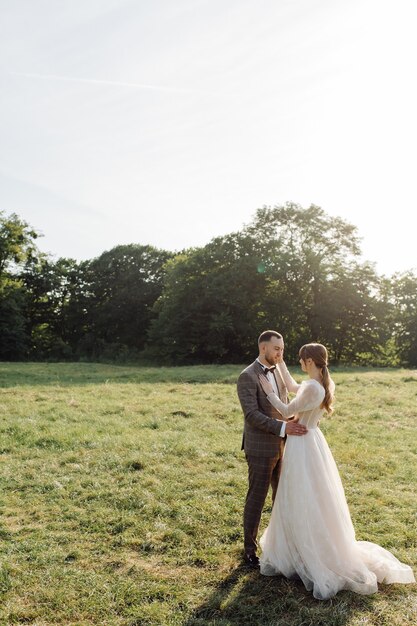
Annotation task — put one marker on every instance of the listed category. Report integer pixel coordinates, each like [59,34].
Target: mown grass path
[122,491]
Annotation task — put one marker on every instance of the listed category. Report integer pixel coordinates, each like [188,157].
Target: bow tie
[269,369]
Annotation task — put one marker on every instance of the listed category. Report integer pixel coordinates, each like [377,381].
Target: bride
[310,533]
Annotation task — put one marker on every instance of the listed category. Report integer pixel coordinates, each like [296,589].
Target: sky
[169,122]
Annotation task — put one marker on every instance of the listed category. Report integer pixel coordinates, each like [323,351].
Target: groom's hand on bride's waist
[294,428]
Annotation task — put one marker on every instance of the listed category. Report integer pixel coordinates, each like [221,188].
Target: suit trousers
[263,472]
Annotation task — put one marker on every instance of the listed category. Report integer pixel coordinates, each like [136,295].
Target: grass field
[122,491]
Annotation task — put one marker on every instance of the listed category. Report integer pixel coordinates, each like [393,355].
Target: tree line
[296,270]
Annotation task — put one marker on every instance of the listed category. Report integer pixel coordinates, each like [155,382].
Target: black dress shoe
[252,560]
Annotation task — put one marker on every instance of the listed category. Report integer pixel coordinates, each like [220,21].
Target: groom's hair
[267,335]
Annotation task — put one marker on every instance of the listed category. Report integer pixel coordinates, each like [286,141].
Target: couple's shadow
[246,598]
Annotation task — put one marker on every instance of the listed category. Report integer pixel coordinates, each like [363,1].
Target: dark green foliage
[293,269]
[121,288]
[16,246]
[16,241]
[14,338]
[404,322]
[317,288]
[55,306]
[211,302]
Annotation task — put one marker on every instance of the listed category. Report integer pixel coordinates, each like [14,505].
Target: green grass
[122,491]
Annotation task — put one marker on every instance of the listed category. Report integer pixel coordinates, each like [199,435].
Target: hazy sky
[169,122]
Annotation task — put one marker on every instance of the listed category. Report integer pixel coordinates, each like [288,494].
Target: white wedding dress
[310,533]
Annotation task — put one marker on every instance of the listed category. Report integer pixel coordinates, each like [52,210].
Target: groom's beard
[268,360]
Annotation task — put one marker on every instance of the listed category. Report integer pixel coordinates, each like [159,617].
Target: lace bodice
[305,405]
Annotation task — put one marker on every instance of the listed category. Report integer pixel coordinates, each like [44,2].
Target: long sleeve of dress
[289,381]
[309,396]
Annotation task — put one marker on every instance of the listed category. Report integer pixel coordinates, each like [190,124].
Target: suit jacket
[262,421]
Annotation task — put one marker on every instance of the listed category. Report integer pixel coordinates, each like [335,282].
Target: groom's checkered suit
[262,444]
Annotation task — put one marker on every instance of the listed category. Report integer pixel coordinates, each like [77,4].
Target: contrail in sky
[112,83]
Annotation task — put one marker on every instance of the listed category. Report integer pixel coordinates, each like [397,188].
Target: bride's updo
[318,353]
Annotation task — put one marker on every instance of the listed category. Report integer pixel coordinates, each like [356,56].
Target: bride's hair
[318,353]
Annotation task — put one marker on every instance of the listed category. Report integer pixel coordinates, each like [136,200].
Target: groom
[264,434]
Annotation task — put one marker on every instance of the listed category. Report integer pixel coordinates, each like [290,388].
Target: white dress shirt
[271,378]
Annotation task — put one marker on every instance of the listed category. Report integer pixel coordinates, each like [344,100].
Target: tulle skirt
[310,533]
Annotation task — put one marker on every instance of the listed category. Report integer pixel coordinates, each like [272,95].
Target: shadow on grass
[246,598]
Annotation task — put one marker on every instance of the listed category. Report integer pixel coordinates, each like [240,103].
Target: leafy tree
[404,299]
[349,314]
[303,247]
[211,305]
[17,241]
[17,244]
[14,342]
[121,287]
[54,305]
[291,269]
[325,294]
